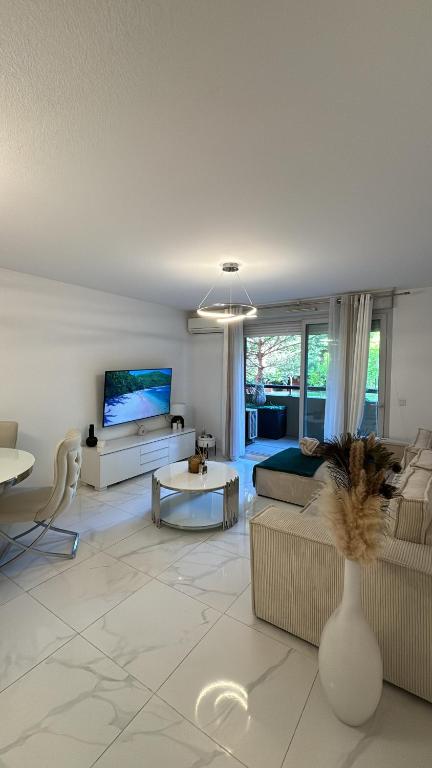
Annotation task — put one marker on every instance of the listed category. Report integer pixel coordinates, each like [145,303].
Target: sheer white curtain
[234,394]
[358,360]
[334,418]
[350,321]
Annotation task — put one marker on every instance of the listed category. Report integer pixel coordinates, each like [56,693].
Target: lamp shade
[178,409]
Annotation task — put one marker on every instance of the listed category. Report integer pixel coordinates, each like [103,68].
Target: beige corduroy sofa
[297,577]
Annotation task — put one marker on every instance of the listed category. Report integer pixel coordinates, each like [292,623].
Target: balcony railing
[293,390]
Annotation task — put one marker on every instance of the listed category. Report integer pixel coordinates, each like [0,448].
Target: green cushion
[292,461]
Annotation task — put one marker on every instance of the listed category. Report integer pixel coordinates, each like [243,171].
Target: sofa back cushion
[423,459]
[412,509]
[423,438]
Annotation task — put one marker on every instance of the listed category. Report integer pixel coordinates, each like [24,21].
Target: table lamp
[178,412]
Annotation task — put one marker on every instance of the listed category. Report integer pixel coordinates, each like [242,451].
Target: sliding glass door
[272,380]
[316,361]
[375,398]
[286,379]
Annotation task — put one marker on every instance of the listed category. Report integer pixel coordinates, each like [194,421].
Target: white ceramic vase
[350,663]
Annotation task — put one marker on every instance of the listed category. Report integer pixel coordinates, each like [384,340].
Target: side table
[207,442]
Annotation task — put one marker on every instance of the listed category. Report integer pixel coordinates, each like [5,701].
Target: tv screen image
[134,395]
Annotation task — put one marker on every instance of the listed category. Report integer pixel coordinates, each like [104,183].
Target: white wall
[411,371]
[56,341]
[206,359]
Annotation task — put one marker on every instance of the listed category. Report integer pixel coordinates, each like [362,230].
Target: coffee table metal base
[196,511]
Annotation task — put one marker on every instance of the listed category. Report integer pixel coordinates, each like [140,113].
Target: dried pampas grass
[355,499]
[357,526]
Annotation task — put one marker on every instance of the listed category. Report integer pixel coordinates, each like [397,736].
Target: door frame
[385,317]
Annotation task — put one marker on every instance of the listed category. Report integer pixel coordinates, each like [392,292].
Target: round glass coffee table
[195,502]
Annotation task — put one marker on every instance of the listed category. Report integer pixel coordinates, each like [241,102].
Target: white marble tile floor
[143,652]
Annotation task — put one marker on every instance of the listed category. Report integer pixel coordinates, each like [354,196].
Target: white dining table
[15,466]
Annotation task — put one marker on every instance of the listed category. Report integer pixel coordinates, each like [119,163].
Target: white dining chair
[8,434]
[43,505]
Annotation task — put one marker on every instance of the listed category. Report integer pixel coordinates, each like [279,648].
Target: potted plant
[259,395]
[197,463]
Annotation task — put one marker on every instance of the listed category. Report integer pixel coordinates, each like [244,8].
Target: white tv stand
[131,456]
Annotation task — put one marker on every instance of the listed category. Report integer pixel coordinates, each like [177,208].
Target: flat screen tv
[135,395]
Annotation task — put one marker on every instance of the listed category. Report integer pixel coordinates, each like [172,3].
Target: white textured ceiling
[143,142]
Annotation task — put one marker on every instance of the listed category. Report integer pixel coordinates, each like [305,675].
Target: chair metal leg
[68,555]
[25,533]
[14,541]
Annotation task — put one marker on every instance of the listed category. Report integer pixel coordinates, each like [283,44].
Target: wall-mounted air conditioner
[204,325]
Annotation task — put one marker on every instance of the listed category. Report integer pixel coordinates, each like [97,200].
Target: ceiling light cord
[244,289]
[211,290]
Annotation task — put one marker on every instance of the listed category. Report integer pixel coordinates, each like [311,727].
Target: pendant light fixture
[228,310]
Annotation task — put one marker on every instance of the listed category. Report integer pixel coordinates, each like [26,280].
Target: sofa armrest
[297,582]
